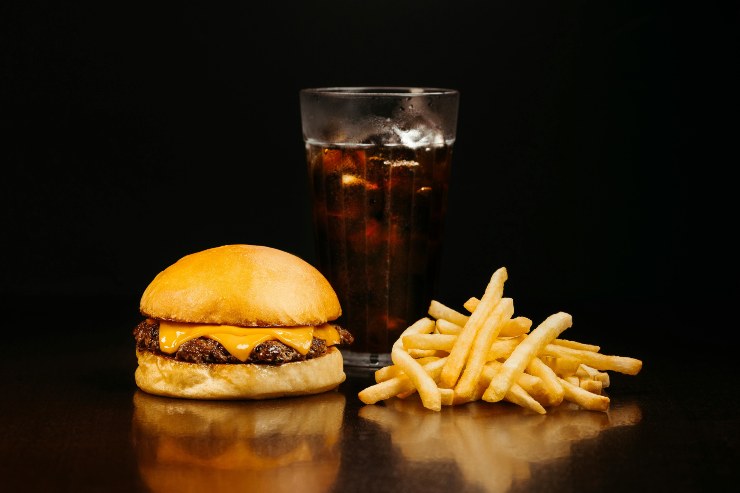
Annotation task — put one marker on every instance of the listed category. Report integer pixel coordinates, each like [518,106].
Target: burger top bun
[245,285]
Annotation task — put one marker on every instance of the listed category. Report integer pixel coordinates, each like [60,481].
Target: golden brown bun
[246,285]
[167,377]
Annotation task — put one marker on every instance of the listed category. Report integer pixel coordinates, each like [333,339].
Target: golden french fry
[621,364]
[586,371]
[517,395]
[448,397]
[429,341]
[424,384]
[459,352]
[502,348]
[441,311]
[420,379]
[447,327]
[511,328]
[563,366]
[584,398]
[530,347]
[533,385]
[385,389]
[554,393]
[577,345]
[407,393]
[515,326]
[426,353]
[387,372]
[593,386]
[573,380]
[481,345]
[397,385]
[471,304]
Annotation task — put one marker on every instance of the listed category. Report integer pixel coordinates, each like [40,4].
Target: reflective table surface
[73,420]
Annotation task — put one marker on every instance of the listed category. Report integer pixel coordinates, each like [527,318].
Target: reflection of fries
[451,359]
[499,455]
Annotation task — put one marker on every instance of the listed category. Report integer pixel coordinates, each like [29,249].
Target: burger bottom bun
[168,377]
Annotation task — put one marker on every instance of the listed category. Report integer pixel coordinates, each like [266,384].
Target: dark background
[594,158]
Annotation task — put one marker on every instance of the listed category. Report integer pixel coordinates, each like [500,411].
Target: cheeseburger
[239,322]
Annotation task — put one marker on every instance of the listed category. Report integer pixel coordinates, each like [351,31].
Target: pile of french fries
[450,358]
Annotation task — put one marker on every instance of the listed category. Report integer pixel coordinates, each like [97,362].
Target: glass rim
[374,91]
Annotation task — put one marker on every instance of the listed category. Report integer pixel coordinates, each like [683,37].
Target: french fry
[563,366]
[511,328]
[533,385]
[441,311]
[584,398]
[421,380]
[621,364]
[585,371]
[447,396]
[515,326]
[385,389]
[548,330]
[459,352]
[471,304]
[447,327]
[573,380]
[397,385]
[554,392]
[387,372]
[577,345]
[429,341]
[502,348]
[481,345]
[593,386]
[426,353]
[517,394]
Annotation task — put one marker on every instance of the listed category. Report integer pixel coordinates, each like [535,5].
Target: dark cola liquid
[378,214]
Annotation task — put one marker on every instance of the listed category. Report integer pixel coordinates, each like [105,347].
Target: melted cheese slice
[240,341]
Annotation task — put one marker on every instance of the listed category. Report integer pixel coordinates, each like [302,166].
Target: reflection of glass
[492,445]
[278,445]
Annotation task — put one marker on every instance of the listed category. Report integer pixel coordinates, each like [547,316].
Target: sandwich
[239,322]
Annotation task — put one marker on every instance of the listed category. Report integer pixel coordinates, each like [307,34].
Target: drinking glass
[379,170]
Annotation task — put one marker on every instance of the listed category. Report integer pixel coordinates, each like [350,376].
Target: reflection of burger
[278,445]
[239,322]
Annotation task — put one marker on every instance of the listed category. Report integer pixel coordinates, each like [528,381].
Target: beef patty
[205,350]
